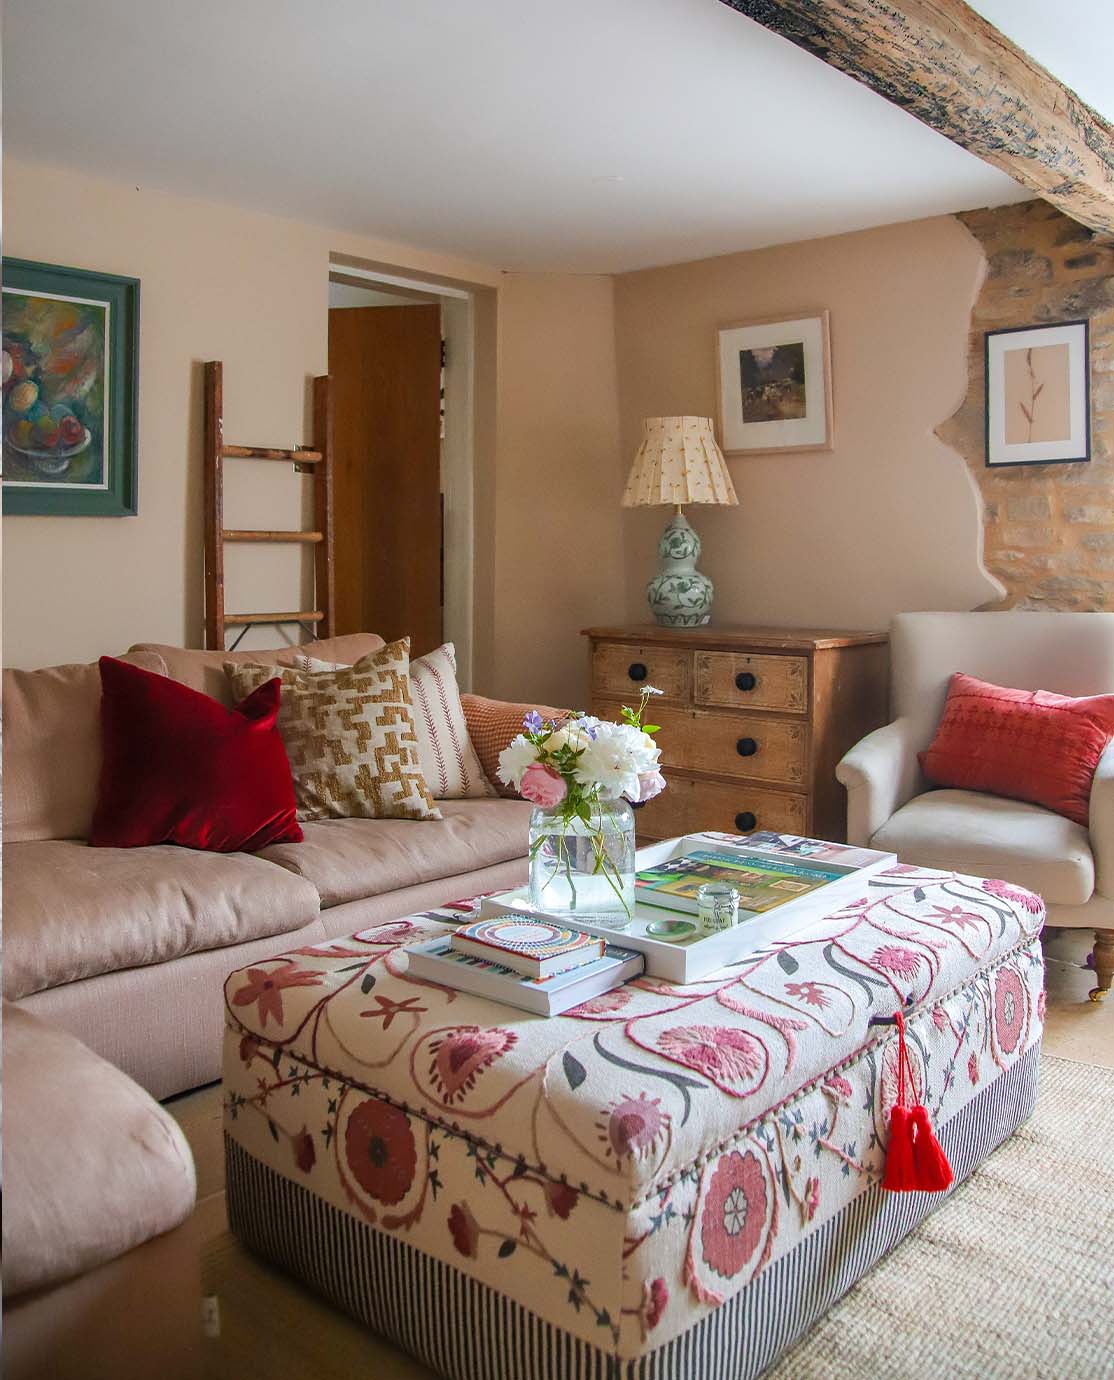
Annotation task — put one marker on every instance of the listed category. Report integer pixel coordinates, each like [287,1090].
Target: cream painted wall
[890,519]
[558,557]
[216,283]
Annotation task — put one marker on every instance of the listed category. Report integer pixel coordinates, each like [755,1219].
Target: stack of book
[535,964]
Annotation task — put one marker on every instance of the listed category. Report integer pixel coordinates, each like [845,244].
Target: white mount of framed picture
[1038,409]
[775,384]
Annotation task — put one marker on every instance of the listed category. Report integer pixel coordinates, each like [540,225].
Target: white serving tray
[692,959]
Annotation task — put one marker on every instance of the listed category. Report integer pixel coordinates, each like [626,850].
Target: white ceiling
[582,135]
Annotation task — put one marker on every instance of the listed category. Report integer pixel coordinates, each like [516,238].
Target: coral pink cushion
[1023,744]
[181,768]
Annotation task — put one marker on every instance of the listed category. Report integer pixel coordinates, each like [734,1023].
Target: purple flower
[533,722]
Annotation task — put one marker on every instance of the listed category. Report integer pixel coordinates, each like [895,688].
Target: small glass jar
[718,906]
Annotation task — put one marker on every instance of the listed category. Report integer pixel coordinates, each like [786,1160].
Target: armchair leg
[1104,963]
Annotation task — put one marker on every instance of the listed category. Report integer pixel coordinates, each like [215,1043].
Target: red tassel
[899,1154]
[931,1169]
[915,1159]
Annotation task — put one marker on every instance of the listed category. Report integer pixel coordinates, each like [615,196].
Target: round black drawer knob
[637,670]
[745,680]
[746,747]
[745,822]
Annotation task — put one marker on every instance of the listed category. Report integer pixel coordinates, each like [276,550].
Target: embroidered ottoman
[664,1182]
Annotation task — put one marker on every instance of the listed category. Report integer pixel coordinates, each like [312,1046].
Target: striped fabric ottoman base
[464,1329]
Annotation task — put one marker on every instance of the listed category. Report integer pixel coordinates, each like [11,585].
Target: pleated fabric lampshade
[679,462]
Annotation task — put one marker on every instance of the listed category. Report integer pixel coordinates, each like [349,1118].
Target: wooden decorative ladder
[317,462]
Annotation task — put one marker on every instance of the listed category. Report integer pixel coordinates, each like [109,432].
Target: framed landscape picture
[1038,395]
[71,387]
[775,385]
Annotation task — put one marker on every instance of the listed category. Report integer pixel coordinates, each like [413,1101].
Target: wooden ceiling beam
[945,64]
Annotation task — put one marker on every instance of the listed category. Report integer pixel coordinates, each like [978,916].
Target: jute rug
[1011,1279]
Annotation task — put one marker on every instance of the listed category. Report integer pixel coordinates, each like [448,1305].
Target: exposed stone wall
[1049,529]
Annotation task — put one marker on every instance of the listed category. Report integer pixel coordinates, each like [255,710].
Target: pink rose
[650,784]
[543,785]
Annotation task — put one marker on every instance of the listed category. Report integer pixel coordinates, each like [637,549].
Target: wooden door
[385,366]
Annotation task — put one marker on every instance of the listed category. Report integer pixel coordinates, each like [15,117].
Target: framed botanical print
[775,385]
[1038,394]
[71,388]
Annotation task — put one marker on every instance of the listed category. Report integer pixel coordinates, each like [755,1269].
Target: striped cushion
[492,724]
[447,757]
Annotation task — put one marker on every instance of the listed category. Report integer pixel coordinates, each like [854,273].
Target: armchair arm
[1102,822]
[880,773]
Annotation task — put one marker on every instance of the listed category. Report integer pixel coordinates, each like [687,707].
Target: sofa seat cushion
[71,911]
[350,859]
[989,836]
[93,1166]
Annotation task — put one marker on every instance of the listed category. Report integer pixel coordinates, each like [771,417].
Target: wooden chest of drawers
[753,720]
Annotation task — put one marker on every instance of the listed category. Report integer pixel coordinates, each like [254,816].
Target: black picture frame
[116,494]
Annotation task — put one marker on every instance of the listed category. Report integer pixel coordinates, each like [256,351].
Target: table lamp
[678,462]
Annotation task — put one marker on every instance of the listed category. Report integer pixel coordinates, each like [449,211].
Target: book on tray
[527,944]
[762,882]
[437,960]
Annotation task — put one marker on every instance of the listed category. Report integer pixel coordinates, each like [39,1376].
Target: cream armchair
[891,806]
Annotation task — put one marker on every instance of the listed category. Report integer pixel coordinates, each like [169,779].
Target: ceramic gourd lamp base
[679,595]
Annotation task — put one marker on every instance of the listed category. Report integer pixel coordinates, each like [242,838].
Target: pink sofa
[127,949]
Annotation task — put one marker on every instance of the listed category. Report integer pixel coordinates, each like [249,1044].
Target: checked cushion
[349,734]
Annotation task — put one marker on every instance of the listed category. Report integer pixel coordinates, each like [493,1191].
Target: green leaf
[367,984]
[507,1248]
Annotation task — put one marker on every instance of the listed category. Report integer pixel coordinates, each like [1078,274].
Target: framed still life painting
[775,385]
[71,387]
[1038,395]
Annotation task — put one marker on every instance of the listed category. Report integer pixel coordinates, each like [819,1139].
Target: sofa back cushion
[204,671]
[491,726]
[52,748]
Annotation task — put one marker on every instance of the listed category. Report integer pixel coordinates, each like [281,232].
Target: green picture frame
[70,391]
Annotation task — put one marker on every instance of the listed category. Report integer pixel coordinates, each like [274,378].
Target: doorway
[400,360]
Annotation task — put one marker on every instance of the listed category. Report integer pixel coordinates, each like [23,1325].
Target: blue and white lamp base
[679,595]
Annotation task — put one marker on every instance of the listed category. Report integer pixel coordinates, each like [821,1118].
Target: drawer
[738,679]
[685,807]
[748,745]
[622,668]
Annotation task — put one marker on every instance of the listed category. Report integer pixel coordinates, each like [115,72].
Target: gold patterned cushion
[349,734]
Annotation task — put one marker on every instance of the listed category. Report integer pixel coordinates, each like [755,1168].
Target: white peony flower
[514,759]
[615,759]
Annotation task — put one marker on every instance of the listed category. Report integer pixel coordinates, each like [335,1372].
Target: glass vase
[582,867]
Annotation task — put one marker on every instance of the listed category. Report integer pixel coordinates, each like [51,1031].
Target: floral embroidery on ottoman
[1018,895]
[894,959]
[731,1059]
[656,1297]
[1009,1010]
[603,1005]
[462,1054]
[809,992]
[734,1213]
[265,987]
[465,1230]
[973,1068]
[379,1147]
[633,1126]
[560,1199]
[305,1154]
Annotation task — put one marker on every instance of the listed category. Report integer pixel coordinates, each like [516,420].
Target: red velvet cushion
[1024,744]
[180,768]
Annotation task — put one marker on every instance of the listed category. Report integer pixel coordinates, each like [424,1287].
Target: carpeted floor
[1010,1279]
